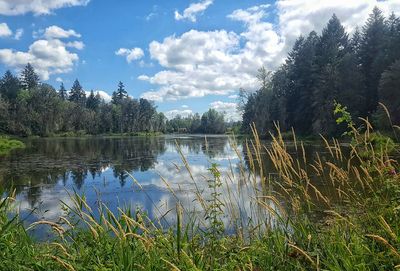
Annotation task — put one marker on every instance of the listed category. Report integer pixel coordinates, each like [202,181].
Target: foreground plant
[353,223]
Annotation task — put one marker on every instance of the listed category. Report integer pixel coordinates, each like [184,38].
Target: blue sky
[187,56]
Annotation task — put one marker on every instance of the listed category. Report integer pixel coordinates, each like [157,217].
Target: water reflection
[48,169]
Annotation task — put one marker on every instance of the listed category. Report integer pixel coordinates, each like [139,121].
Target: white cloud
[59,79]
[104,95]
[56,32]
[75,44]
[234,96]
[37,7]
[173,113]
[46,56]
[143,77]
[130,54]
[300,17]
[251,15]
[185,106]
[193,10]
[18,33]
[229,109]
[200,63]
[5,31]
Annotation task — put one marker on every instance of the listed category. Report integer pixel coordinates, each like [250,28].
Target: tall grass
[334,211]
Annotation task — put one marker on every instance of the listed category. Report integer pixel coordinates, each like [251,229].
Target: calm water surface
[48,170]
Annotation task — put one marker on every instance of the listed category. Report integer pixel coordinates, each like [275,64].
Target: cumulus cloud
[200,63]
[37,7]
[193,10]
[173,113]
[130,54]
[300,17]
[5,31]
[104,95]
[46,56]
[56,32]
[229,109]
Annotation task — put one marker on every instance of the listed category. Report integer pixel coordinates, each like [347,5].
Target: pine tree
[332,47]
[372,52]
[76,94]
[29,78]
[9,86]
[93,101]
[389,91]
[119,95]
[301,68]
[393,39]
[62,92]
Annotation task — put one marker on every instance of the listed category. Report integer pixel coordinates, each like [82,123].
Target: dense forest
[211,122]
[358,72]
[29,107]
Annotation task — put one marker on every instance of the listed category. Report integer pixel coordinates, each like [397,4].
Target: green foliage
[63,92]
[119,95]
[76,94]
[7,145]
[344,117]
[214,210]
[29,78]
[211,122]
[38,109]
[357,72]
[364,235]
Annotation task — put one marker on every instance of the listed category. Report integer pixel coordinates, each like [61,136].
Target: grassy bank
[352,224]
[7,144]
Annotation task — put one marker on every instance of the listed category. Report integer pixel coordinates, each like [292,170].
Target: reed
[334,211]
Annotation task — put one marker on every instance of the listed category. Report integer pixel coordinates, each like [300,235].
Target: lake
[126,173]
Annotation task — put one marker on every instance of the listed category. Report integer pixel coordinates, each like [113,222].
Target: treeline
[211,122]
[358,71]
[29,107]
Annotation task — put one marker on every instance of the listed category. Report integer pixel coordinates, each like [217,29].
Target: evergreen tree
[393,39]
[93,101]
[119,95]
[9,86]
[62,92]
[76,94]
[301,73]
[372,57]
[332,47]
[389,91]
[29,78]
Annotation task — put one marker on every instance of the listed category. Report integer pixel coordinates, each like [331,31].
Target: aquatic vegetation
[7,144]
[352,222]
